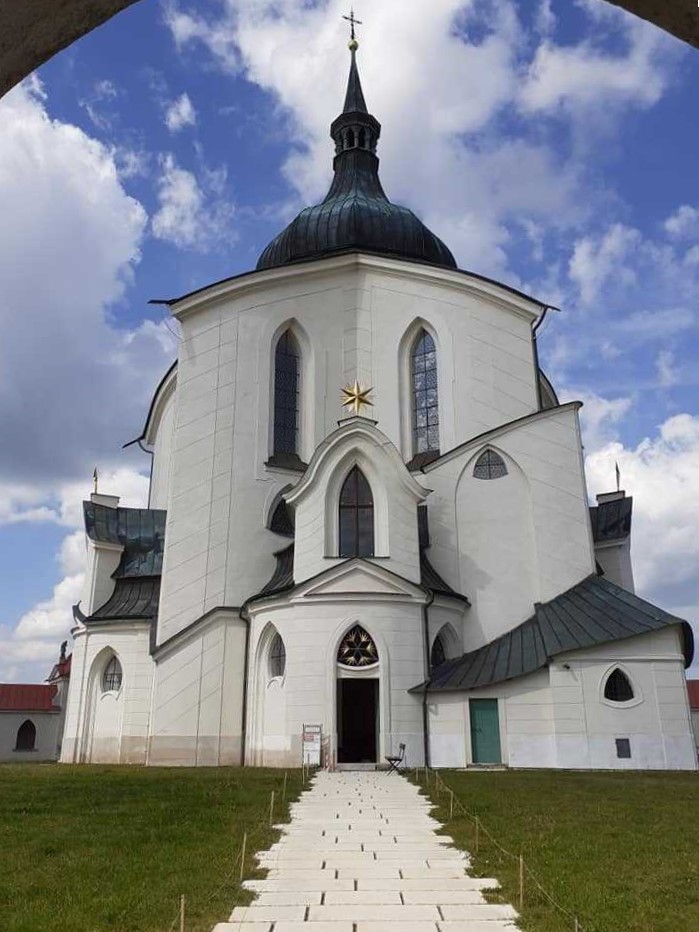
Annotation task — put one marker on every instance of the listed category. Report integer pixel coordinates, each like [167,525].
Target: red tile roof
[693,690]
[27,697]
[62,668]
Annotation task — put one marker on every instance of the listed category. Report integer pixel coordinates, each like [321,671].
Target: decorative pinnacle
[357,397]
[353,21]
[95,479]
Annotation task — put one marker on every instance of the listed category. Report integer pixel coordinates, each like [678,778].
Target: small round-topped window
[489,466]
[277,656]
[111,678]
[357,649]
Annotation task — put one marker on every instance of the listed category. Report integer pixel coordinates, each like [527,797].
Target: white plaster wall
[312,628]
[198,696]
[102,560]
[109,729]
[615,560]
[350,314]
[395,493]
[558,717]
[47,726]
[508,543]
[162,456]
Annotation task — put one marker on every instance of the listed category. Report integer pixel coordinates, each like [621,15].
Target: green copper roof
[595,611]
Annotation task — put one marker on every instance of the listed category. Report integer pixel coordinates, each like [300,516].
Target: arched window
[489,466]
[26,736]
[286,394]
[357,649]
[356,516]
[277,656]
[438,654]
[111,678]
[618,687]
[425,395]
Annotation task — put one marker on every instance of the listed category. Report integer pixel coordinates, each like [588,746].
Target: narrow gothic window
[277,656]
[356,516]
[26,736]
[425,396]
[489,466]
[286,394]
[438,655]
[111,678]
[357,649]
[618,687]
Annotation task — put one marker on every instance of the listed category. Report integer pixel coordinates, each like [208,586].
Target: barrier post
[271,809]
[242,856]
[521,883]
[451,804]
[577,925]
[182,913]
[478,825]
[284,790]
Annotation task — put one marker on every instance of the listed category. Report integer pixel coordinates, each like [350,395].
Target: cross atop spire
[353,21]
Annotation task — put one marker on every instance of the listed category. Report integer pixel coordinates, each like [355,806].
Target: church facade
[422,571]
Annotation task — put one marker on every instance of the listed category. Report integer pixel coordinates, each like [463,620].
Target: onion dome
[356,215]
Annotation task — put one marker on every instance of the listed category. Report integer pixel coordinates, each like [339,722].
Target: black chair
[396,760]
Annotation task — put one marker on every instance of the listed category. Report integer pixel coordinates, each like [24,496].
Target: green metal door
[485,731]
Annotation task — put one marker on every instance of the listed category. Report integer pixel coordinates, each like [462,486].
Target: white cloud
[187,218]
[666,368]
[596,260]
[599,417]
[444,148]
[684,222]
[180,113]
[74,386]
[581,77]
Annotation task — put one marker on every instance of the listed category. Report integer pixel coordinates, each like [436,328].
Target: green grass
[112,848]
[621,850]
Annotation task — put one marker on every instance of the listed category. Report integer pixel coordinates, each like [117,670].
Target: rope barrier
[524,871]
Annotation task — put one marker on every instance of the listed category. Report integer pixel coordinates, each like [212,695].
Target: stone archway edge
[32,31]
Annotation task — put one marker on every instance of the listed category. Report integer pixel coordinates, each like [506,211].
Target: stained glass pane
[489,465]
[357,649]
[356,516]
[425,395]
[111,679]
[286,394]
[277,656]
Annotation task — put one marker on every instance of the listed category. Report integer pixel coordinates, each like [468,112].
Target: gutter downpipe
[425,714]
[243,613]
[535,328]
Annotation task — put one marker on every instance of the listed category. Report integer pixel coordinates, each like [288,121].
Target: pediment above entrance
[358,579]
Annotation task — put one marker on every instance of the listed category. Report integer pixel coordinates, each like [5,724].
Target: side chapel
[424,570]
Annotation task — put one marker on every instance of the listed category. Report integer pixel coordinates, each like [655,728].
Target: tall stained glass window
[356,516]
[286,394]
[425,395]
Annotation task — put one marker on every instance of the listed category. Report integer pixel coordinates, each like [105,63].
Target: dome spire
[355,215]
[354,99]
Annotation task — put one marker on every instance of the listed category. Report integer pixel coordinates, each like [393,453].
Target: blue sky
[550,143]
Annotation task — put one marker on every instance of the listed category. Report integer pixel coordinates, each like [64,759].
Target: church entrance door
[357,720]
[485,731]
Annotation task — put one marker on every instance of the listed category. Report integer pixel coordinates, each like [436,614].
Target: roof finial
[95,479]
[353,21]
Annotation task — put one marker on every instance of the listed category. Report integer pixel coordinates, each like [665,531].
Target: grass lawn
[94,848]
[619,850]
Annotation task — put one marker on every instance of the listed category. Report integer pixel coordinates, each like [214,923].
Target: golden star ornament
[356,397]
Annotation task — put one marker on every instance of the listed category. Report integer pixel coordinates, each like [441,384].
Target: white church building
[423,571]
